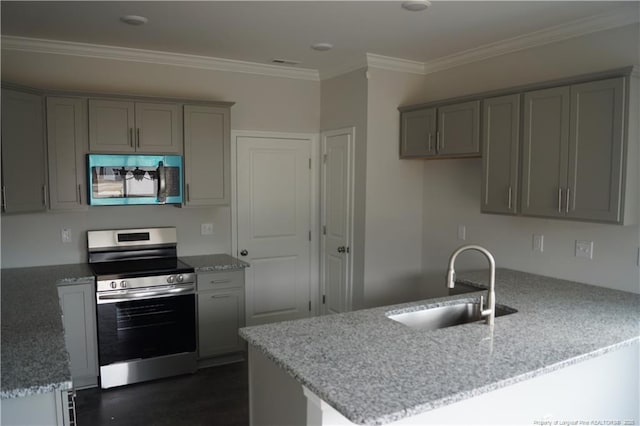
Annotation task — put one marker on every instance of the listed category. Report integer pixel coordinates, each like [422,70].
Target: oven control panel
[149,281]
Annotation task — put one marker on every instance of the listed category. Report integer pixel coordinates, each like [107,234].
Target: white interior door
[336,214]
[273,220]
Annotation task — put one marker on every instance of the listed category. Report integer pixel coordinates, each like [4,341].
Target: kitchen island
[361,367]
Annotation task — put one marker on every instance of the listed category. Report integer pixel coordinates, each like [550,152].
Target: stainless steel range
[146,305]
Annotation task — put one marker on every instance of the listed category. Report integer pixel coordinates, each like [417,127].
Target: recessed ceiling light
[134,19]
[322,47]
[416,5]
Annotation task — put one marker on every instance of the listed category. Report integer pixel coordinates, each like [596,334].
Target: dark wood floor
[212,396]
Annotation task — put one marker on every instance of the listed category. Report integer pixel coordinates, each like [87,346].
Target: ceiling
[259,31]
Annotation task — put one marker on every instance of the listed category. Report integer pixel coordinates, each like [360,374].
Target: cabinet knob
[244,253]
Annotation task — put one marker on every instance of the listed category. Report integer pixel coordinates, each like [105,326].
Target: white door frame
[350,212]
[314,197]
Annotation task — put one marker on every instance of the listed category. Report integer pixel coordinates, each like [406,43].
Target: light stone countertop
[375,371]
[214,263]
[33,355]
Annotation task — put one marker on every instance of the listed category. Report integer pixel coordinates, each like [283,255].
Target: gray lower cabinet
[24,185]
[500,159]
[79,319]
[573,151]
[220,313]
[122,126]
[55,408]
[450,131]
[67,148]
[207,155]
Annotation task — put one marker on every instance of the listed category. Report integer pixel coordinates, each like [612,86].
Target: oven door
[141,328]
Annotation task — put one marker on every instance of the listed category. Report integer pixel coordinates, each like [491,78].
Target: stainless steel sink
[446,316]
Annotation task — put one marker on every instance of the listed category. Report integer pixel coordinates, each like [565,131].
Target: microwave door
[162,184]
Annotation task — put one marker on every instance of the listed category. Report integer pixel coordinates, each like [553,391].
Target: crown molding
[345,68]
[56,47]
[616,18]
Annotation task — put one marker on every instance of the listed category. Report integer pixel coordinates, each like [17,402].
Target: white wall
[262,103]
[343,103]
[451,193]
[393,244]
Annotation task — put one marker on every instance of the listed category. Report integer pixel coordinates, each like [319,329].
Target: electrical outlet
[584,249]
[462,232]
[538,243]
[66,235]
[206,229]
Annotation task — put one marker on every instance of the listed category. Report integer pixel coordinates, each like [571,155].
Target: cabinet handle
[559,200]
[188,193]
[131,137]
[4,198]
[510,196]
[44,195]
[80,193]
[568,197]
[220,281]
[438,147]
[221,296]
[138,137]
[430,143]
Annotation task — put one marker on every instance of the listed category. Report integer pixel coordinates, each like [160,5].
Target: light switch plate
[65,235]
[462,232]
[538,243]
[206,229]
[584,249]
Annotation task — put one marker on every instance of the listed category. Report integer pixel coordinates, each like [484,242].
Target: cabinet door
[220,315]
[23,153]
[67,148]
[459,130]
[418,130]
[206,155]
[501,139]
[595,151]
[158,128]
[111,126]
[545,151]
[79,320]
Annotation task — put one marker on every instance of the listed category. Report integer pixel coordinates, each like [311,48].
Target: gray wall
[262,103]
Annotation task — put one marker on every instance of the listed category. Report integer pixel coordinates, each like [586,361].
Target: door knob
[342,249]
[244,253]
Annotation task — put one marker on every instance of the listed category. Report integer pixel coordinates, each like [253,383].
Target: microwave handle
[162,187]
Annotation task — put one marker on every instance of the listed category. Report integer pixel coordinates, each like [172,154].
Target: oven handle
[128,295]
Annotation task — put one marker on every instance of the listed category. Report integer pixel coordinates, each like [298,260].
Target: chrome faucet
[490,311]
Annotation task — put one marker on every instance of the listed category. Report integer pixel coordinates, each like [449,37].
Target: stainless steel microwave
[116,179]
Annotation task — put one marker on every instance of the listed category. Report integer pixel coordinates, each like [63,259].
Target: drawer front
[217,280]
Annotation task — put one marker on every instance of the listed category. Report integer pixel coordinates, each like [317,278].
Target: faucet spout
[489,312]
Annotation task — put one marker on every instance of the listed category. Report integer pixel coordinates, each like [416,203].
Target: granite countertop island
[34,358]
[373,370]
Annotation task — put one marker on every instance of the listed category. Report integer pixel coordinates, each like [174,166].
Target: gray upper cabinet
[545,151]
[207,155]
[450,131]
[127,126]
[23,153]
[459,130]
[67,148]
[500,160]
[573,157]
[418,133]
[594,185]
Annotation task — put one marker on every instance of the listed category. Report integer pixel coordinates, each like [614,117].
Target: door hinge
[324,299]
[309,305]
[324,229]
[324,158]
[309,235]
[309,163]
